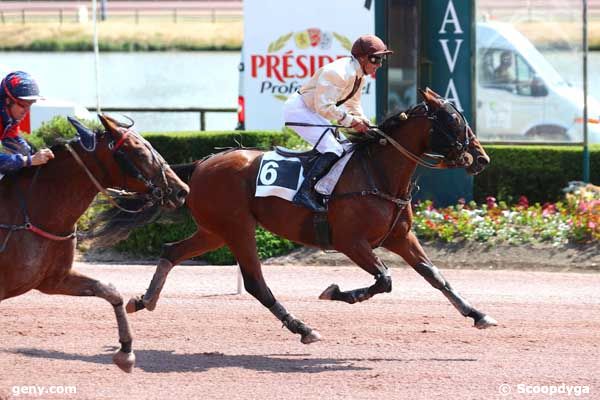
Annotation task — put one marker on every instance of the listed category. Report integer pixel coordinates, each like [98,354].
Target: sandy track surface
[201,342]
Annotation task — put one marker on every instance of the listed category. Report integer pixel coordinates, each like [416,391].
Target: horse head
[125,160]
[451,139]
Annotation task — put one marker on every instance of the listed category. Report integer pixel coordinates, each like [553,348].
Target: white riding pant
[294,110]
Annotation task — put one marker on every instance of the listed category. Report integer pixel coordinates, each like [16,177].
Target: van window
[505,70]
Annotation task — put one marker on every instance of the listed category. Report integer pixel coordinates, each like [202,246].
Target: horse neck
[395,169]
[66,190]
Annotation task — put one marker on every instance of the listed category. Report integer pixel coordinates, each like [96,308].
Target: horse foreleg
[244,249]
[362,254]
[199,243]
[411,251]
[76,284]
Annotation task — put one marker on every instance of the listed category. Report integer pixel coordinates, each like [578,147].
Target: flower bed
[574,220]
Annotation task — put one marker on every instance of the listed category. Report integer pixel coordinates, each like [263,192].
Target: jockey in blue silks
[18,91]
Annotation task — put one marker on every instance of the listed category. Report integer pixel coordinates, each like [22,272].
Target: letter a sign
[448,40]
[449,46]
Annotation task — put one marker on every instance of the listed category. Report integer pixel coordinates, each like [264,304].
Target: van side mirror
[538,87]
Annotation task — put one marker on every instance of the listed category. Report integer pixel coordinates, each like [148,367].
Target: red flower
[491,202]
[523,202]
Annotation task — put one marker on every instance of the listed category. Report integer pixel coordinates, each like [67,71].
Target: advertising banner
[285,42]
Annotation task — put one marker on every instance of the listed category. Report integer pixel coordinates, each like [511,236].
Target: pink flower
[491,202]
[462,201]
[591,225]
[523,202]
[548,209]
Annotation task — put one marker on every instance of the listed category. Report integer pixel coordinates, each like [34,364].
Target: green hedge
[537,172]
[184,147]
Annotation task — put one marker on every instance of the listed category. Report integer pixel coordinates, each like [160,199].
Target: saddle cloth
[282,176]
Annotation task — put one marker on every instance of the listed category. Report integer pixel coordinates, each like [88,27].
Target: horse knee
[108,292]
[432,275]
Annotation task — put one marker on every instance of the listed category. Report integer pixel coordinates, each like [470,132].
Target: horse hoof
[312,337]
[485,322]
[134,304]
[125,361]
[329,292]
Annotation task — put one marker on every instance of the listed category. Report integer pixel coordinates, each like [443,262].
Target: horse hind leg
[199,243]
[76,284]
[362,254]
[244,249]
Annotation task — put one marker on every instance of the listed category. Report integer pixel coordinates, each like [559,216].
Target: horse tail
[185,171]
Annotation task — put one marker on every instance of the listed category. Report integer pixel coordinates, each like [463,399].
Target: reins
[102,189]
[27,225]
[437,164]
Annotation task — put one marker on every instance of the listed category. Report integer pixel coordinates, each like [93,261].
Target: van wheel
[548,132]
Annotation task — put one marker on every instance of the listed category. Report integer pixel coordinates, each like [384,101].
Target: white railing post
[240,281]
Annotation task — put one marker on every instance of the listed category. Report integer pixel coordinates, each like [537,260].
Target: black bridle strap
[405,152]
[100,188]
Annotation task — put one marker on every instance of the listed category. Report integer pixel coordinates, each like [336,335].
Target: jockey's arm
[11,162]
[328,91]
[20,155]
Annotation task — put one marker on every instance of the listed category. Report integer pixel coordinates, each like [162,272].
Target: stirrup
[309,201]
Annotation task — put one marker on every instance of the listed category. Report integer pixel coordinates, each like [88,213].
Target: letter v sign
[451,60]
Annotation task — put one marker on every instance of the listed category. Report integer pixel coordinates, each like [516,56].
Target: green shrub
[537,172]
[184,147]
[148,241]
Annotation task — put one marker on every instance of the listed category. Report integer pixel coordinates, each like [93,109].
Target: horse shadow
[163,361]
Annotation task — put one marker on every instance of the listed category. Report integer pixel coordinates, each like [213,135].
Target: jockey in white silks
[332,94]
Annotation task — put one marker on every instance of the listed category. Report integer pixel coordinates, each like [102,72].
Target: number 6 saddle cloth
[281,173]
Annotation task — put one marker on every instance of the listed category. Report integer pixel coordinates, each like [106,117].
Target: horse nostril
[481,160]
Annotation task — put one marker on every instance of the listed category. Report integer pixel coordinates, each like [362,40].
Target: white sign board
[285,42]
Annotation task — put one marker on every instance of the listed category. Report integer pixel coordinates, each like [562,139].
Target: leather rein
[156,191]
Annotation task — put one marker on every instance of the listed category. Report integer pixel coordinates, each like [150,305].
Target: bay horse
[376,183]
[41,205]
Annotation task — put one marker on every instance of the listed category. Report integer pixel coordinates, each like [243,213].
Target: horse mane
[396,119]
[113,225]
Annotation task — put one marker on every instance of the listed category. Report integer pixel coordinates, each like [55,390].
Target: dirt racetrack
[202,343]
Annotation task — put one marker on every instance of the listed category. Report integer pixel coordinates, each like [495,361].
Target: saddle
[306,157]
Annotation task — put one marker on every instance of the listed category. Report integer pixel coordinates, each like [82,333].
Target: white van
[520,96]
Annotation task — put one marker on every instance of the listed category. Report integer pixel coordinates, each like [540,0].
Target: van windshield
[545,70]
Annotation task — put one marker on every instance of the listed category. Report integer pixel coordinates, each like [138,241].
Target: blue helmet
[20,85]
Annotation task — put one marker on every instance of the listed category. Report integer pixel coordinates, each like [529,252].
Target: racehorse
[370,207]
[41,205]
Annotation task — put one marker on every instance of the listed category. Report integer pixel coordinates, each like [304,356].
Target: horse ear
[86,136]
[430,97]
[434,94]
[108,122]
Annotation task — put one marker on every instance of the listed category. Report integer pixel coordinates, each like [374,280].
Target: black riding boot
[306,195]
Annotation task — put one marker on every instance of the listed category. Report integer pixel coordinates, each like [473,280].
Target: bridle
[455,157]
[157,194]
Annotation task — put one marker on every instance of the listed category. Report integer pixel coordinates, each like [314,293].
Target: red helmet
[369,45]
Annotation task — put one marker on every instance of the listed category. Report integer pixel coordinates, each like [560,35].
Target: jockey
[333,94]
[18,91]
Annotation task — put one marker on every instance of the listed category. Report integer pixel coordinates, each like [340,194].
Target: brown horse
[40,207]
[376,183]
